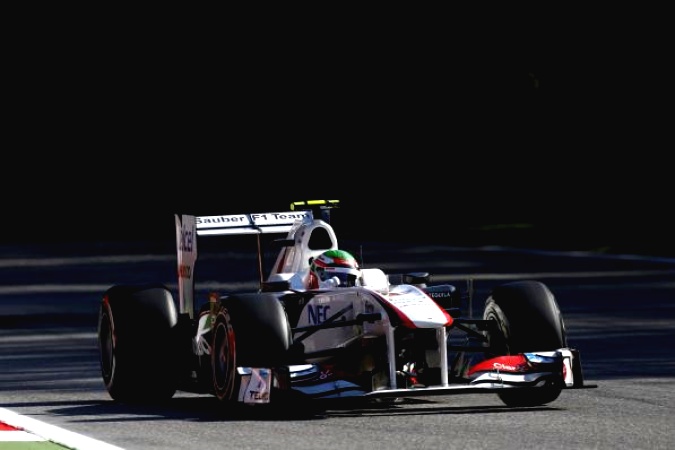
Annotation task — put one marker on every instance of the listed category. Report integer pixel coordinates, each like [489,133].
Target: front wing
[560,368]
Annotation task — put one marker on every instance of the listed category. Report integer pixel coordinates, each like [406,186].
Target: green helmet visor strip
[336,263]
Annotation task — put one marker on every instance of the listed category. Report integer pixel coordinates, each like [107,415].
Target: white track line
[53,433]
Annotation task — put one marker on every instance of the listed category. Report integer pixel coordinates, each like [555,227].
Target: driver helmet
[335,263]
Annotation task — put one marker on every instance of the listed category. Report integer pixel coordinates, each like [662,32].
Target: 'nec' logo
[186,240]
[317,313]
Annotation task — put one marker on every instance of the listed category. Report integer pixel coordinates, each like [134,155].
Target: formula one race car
[381,336]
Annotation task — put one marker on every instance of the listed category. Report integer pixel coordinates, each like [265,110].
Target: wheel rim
[498,341]
[223,359]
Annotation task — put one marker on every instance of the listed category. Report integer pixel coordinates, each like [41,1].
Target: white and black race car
[383,337]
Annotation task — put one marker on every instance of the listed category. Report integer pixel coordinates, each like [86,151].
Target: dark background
[546,131]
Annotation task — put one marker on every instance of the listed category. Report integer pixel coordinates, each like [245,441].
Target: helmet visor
[347,278]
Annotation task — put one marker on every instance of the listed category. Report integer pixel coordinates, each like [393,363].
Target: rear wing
[277,222]
[189,227]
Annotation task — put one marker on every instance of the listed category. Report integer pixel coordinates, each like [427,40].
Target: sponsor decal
[256,387]
[184,271]
[500,366]
[321,310]
[222,220]
[186,241]
[247,220]
[317,314]
[272,218]
[508,363]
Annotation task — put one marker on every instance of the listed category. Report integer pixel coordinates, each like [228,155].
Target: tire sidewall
[223,356]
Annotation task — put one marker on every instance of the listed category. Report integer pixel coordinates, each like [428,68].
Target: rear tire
[136,342]
[527,320]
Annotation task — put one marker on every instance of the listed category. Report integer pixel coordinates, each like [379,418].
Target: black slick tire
[527,319]
[136,342]
[251,330]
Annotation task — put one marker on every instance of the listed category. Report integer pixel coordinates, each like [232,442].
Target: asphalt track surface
[619,312]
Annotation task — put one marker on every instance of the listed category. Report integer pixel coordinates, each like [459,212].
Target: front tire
[251,330]
[224,357]
[527,319]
